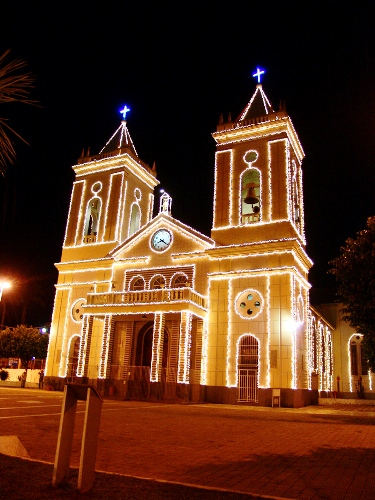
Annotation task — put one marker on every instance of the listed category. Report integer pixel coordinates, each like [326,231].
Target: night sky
[178,66]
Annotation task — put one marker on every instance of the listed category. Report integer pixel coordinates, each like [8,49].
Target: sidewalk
[313,453]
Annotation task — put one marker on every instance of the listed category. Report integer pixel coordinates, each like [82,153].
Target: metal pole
[3,314]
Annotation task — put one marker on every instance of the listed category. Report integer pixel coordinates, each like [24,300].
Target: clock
[161,240]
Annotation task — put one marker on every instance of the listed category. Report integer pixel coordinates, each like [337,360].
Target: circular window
[250,156]
[96,187]
[248,304]
[77,309]
[137,194]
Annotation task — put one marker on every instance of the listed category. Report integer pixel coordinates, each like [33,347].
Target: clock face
[161,240]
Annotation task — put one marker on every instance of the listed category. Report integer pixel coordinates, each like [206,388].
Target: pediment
[162,238]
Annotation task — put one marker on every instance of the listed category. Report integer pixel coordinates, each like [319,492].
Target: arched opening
[73,357]
[250,196]
[247,369]
[137,283]
[144,348]
[359,366]
[135,219]
[92,220]
[157,282]
[143,352]
[179,281]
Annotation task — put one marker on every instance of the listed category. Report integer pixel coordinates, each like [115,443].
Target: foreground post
[72,394]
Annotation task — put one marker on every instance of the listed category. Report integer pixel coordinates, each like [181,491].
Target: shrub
[54,383]
[4,375]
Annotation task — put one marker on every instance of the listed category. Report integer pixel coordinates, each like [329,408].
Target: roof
[120,140]
[258,106]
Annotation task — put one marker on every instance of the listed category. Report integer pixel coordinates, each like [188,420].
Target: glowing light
[124,111]
[206,264]
[259,72]
[3,285]
[184,349]
[243,131]
[119,195]
[105,346]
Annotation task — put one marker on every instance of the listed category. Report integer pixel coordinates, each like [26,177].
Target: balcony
[177,297]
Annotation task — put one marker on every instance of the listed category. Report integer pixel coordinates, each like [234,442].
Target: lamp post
[3,286]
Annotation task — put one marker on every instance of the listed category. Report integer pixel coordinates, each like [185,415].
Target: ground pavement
[325,452]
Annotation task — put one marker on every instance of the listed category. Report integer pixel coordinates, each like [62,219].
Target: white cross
[124,111]
[258,74]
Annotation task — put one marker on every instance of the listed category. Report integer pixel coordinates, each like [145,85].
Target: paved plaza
[309,453]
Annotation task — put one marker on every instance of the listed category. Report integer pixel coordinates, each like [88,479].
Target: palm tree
[15,85]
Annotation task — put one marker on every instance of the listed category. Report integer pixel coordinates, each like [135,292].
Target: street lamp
[3,286]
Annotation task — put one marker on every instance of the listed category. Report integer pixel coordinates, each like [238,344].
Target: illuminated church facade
[147,307]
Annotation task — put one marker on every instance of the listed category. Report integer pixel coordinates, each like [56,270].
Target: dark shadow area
[16,483]
[327,472]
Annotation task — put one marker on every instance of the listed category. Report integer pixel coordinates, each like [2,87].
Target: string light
[266,103]
[105,347]
[265,261]
[184,348]
[140,171]
[266,127]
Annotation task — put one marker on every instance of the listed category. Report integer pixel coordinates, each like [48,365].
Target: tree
[354,270]
[23,342]
[15,85]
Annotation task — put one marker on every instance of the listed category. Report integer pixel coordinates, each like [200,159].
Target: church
[148,308]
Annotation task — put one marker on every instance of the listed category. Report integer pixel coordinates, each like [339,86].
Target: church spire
[121,138]
[258,106]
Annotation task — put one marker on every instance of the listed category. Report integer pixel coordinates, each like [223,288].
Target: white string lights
[258,262]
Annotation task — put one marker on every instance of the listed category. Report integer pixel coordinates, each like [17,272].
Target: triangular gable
[184,239]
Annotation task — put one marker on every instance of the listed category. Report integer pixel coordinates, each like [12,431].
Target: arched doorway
[358,365]
[144,348]
[73,357]
[143,354]
[247,369]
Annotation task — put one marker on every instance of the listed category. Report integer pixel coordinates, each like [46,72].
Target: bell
[251,197]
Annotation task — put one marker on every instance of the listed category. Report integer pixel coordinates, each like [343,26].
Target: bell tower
[258,280]
[258,176]
[112,197]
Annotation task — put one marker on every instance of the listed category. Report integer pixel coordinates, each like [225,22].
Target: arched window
[158,282]
[179,281]
[250,196]
[92,219]
[135,219]
[137,284]
[358,360]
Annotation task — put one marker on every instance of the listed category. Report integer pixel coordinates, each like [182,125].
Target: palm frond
[15,86]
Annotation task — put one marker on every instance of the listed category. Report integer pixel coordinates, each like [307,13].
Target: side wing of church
[147,307]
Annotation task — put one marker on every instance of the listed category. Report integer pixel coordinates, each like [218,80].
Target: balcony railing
[165,295]
[89,238]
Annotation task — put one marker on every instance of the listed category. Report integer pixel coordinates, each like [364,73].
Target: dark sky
[178,66]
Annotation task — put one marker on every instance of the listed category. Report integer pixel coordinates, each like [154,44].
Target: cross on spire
[124,111]
[258,74]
